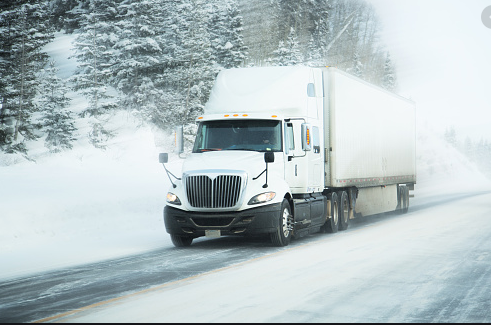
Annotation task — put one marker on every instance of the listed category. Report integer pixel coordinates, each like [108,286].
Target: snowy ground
[82,206]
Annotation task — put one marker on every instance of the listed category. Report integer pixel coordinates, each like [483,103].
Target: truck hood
[251,162]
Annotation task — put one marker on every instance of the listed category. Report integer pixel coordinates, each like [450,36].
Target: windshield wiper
[210,149]
[243,149]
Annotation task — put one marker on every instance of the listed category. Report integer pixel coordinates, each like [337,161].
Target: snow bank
[441,168]
[84,205]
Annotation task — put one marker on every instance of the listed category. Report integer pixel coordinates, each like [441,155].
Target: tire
[283,234]
[181,241]
[332,223]
[344,211]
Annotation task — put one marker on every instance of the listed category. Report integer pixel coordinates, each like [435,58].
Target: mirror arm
[261,173]
[266,184]
[169,174]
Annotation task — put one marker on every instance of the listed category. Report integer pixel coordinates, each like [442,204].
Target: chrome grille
[221,192]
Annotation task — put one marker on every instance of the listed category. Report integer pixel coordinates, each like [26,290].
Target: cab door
[296,166]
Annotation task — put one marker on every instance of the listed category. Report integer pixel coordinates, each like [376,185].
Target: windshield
[254,135]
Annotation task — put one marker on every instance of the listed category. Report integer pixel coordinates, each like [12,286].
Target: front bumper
[256,221]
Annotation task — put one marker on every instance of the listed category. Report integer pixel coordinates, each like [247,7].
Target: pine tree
[389,81]
[314,54]
[318,13]
[68,14]
[469,148]
[451,136]
[225,26]
[24,32]
[357,69]
[58,122]
[144,45]
[191,77]
[288,53]
[95,56]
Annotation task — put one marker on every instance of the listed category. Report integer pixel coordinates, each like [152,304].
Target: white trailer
[288,151]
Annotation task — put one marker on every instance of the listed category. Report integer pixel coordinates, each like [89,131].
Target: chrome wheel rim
[285,219]
[335,216]
[345,211]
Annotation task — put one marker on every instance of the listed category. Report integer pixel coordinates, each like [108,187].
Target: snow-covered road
[430,265]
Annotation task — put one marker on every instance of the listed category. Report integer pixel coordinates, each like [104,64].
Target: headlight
[261,198]
[173,199]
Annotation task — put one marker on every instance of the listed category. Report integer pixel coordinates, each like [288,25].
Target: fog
[441,49]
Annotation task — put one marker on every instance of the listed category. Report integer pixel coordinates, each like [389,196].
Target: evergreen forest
[157,59]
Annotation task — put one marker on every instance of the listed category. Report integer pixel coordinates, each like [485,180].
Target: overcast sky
[442,51]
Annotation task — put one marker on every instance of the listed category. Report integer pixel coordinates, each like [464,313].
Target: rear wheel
[332,223]
[283,234]
[344,211]
[181,241]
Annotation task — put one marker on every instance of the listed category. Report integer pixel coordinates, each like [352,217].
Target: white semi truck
[289,151]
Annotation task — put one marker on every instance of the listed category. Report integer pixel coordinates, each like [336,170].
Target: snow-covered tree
[24,31]
[193,68]
[314,54]
[389,81]
[139,55]
[357,69]
[95,56]
[318,14]
[451,136]
[288,53]
[58,121]
[225,28]
[68,14]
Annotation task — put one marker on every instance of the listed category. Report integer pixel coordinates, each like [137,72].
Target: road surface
[432,264]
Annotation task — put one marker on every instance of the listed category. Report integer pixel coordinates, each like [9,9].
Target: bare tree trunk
[18,121]
[350,20]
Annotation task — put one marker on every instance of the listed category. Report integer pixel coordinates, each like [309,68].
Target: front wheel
[181,241]
[283,234]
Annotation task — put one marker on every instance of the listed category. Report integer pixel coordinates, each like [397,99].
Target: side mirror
[163,158]
[268,157]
